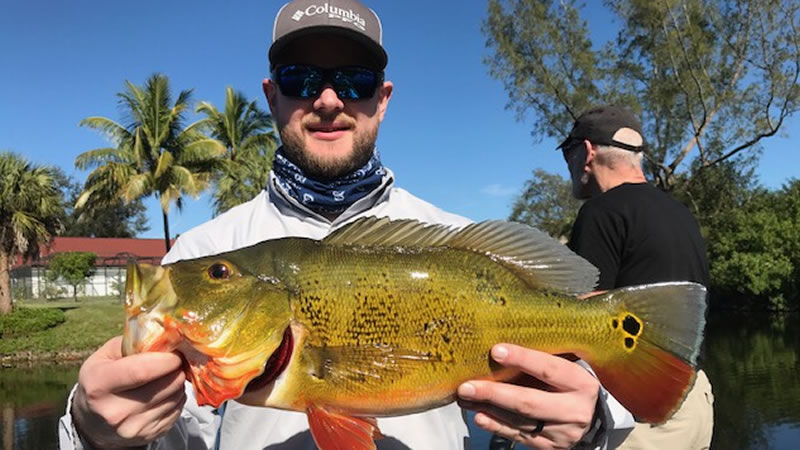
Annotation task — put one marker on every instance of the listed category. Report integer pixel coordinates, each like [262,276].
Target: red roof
[109,251]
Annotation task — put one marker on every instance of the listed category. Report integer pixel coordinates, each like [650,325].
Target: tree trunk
[7,413]
[75,293]
[166,230]
[5,284]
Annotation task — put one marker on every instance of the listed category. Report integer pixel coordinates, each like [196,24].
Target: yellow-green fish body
[389,317]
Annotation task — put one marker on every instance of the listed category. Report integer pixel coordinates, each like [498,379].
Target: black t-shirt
[636,234]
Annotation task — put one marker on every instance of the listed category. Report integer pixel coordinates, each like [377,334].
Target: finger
[510,402]
[502,415]
[498,427]
[157,390]
[133,371]
[555,371]
[154,421]
[110,351]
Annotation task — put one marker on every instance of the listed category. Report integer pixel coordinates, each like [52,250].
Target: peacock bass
[385,318]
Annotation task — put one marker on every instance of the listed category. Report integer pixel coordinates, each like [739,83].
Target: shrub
[23,321]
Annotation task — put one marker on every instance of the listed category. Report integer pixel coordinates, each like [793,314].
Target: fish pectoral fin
[366,363]
[335,431]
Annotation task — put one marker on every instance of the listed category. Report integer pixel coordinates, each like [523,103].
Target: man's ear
[270,92]
[591,153]
[385,93]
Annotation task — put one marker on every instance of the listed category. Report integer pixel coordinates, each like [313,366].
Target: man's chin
[330,166]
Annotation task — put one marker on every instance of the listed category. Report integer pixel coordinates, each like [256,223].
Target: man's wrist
[596,428]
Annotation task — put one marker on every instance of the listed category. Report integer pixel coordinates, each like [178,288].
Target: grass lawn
[88,324]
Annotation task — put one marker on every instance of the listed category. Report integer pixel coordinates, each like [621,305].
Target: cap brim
[569,140]
[378,53]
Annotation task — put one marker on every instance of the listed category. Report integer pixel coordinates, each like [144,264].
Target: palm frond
[199,126]
[202,150]
[186,181]
[30,205]
[263,140]
[83,199]
[165,163]
[99,156]
[113,131]
[138,186]
[168,197]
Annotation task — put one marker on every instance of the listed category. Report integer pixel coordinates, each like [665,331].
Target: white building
[28,278]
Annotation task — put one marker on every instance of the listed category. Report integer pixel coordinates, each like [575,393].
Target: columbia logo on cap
[345,15]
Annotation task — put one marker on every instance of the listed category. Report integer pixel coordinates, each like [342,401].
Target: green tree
[248,134]
[30,212]
[73,267]
[754,251]
[117,219]
[710,78]
[547,203]
[153,155]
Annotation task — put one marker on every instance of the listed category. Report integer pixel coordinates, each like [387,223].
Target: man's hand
[554,415]
[127,401]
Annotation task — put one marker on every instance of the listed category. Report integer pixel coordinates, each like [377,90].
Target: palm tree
[248,134]
[30,212]
[153,154]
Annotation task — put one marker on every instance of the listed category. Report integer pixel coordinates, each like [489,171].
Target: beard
[580,185]
[321,168]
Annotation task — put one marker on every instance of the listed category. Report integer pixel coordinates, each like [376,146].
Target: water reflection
[31,401]
[753,362]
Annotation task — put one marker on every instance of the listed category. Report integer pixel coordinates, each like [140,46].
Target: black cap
[601,126]
[349,18]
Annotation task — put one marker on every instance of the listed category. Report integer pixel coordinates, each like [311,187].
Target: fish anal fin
[651,382]
[335,431]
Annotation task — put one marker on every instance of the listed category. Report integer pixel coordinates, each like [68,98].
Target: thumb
[109,371]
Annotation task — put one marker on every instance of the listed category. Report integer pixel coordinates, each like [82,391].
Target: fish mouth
[275,365]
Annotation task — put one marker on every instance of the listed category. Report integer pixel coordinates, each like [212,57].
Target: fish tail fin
[334,431]
[657,331]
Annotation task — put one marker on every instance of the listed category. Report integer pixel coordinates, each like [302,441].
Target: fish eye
[219,271]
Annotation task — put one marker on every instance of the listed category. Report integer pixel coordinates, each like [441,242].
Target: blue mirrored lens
[306,81]
[299,81]
[354,83]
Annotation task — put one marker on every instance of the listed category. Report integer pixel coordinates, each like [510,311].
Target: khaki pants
[689,429]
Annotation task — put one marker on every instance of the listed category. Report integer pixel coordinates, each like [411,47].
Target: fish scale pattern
[406,323]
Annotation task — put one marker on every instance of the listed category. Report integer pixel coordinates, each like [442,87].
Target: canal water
[753,361]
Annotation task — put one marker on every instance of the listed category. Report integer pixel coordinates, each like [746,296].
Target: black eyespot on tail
[632,325]
[629,342]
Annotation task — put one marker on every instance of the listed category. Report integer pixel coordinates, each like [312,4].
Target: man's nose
[327,100]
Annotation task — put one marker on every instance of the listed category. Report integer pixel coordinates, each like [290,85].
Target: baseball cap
[349,18]
[602,126]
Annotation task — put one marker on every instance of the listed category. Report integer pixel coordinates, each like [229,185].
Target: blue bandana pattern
[327,197]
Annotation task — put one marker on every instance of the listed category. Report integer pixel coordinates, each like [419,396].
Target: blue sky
[447,135]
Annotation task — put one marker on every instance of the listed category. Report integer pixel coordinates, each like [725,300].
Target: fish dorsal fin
[535,257]
[381,231]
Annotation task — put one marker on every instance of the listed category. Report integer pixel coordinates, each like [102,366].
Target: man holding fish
[239,308]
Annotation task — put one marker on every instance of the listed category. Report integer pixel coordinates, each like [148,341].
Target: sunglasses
[567,150]
[305,81]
